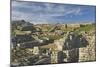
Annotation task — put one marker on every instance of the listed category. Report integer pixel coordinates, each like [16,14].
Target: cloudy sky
[36,12]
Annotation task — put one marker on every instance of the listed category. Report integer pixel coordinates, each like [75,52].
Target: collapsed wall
[88,53]
[73,50]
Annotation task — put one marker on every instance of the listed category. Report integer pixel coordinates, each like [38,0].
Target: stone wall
[88,53]
[75,54]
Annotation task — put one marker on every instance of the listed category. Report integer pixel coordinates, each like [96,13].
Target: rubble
[56,44]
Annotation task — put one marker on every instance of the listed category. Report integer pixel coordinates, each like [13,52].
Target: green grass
[86,28]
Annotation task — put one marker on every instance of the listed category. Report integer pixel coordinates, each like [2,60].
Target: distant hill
[20,23]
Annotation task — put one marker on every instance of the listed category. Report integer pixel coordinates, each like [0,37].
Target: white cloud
[39,13]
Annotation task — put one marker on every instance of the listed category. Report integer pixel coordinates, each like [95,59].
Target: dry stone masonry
[46,44]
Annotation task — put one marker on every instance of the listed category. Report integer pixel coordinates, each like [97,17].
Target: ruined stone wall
[88,53]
